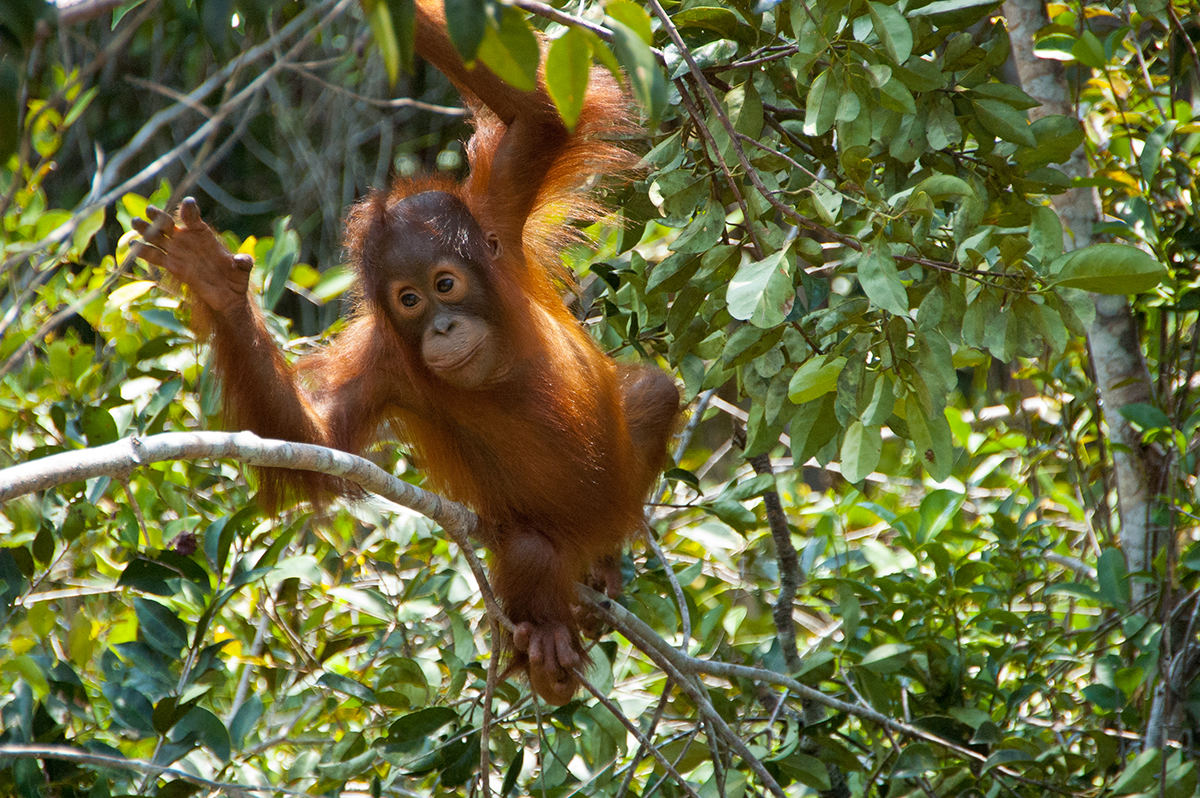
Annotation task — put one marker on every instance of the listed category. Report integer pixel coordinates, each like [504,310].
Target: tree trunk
[1121,373]
[1122,377]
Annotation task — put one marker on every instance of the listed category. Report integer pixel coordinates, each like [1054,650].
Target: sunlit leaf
[762,292]
[379,18]
[512,50]
[568,64]
[820,108]
[815,377]
[1089,50]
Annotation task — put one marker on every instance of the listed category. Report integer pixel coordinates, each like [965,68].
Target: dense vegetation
[932,524]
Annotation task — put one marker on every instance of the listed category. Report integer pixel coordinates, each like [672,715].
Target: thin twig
[636,732]
[647,641]
[682,666]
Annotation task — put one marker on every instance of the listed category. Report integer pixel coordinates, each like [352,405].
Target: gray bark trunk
[1113,343]
[1121,374]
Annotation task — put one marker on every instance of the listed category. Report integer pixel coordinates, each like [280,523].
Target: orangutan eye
[445,285]
[410,299]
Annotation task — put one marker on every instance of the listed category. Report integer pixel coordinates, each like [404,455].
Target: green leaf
[279,262]
[941,187]
[202,726]
[43,545]
[895,96]
[881,402]
[1005,756]
[568,65]
[420,724]
[99,426]
[881,282]
[245,719]
[809,770]
[1054,331]
[1151,155]
[87,228]
[511,51]
[947,6]
[148,576]
[1006,93]
[215,17]
[1001,119]
[466,23]
[1089,50]
[344,684]
[1151,9]
[1058,137]
[379,18]
[1110,269]
[762,292]
[815,377]
[1145,416]
[513,772]
[1140,774]
[159,627]
[404,26]
[1113,578]
[745,109]
[1045,234]
[334,282]
[632,16]
[705,56]
[748,489]
[702,232]
[887,658]
[721,20]
[130,707]
[893,31]
[930,435]
[861,446]
[820,108]
[937,510]
[649,86]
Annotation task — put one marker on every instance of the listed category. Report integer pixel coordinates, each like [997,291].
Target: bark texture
[1122,376]
[1120,368]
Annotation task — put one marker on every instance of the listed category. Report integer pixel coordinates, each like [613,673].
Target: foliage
[841,244]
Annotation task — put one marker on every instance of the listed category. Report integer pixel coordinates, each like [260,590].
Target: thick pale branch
[120,458]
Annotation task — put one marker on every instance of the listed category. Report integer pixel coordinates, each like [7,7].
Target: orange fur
[556,458]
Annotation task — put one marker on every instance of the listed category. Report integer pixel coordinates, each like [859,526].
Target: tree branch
[67,753]
[683,666]
[120,458]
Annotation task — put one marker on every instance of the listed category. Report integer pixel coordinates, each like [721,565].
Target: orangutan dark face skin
[430,258]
